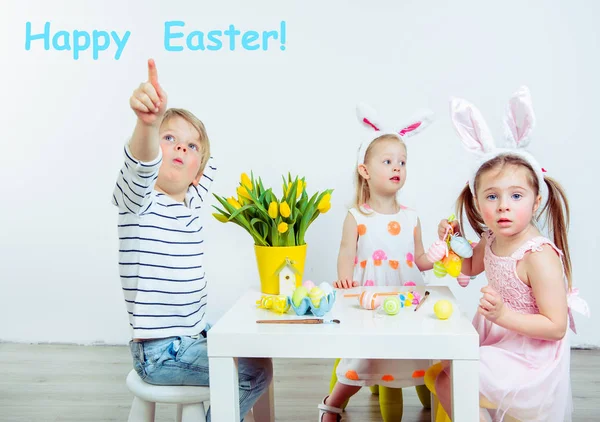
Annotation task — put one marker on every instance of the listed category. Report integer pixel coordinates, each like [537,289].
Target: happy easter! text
[80,43]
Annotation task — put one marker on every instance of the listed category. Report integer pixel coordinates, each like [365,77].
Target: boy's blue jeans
[184,361]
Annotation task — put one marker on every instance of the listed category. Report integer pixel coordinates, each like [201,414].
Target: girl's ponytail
[465,204]
[558,218]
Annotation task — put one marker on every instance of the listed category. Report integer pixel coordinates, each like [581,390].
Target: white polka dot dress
[385,257]
[386,247]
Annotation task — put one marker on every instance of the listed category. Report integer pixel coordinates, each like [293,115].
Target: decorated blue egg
[461,247]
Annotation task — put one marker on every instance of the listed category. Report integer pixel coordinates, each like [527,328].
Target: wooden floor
[87,383]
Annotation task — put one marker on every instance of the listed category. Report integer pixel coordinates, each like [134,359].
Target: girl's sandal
[324,409]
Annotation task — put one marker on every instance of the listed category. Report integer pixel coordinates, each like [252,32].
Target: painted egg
[437,251]
[370,300]
[461,247]
[300,293]
[308,284]
[315,296]
[326,287]
[391,305]
[453,264]
[439,270]
[443,309]
[463,280]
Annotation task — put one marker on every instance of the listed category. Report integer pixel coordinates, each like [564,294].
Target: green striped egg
[439,270]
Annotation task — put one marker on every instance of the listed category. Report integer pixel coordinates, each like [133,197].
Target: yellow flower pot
[270,259]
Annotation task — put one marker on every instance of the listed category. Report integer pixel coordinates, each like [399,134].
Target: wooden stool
[189,400]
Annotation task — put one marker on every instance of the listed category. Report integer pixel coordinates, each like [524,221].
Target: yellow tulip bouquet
[273,221]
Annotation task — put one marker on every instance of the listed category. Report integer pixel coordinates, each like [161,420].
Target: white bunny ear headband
[368,117]
[519,121]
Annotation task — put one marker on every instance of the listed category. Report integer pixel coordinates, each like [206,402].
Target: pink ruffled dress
[526,378]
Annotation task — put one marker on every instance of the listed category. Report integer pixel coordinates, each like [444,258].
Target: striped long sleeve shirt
[161,248]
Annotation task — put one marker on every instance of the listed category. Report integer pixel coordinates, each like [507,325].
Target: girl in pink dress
[523,314]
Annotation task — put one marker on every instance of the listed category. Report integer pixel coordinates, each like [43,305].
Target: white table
[361,334]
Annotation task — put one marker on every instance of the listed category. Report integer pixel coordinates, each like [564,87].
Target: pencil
[425,296]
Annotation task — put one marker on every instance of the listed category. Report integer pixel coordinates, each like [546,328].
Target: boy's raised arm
[149,102]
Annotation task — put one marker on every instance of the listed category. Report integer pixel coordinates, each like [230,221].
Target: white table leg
[264,408]
[434,402]
[224,390]
[465,390]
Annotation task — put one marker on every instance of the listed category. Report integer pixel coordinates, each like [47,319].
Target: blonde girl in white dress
[381,246]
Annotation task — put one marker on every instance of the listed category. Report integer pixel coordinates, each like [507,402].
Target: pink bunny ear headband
[519,121]
[368,117]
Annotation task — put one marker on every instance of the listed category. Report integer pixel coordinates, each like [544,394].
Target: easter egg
[326,287]
[315,296]
[300,293]
[437,251]
[461,247]
[391,305]
[370,300]
[308,284]
[453,264]
[442,309]
[463,280]
[439,270]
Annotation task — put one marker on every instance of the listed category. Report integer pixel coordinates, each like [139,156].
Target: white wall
[64,123]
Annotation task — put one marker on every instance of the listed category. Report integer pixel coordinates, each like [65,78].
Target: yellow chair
[440,414]
[430,376]
[391,402]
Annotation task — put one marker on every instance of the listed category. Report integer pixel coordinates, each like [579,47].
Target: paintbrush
[299,321]
[425,296]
